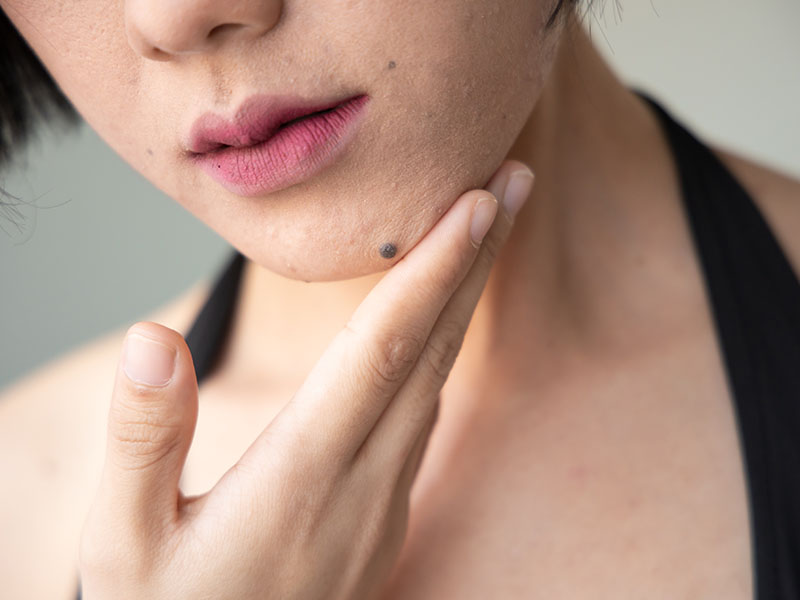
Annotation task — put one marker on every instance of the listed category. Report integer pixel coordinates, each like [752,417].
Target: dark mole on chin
[392,64]
[388,250]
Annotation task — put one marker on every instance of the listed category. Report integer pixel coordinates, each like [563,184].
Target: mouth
[273,142]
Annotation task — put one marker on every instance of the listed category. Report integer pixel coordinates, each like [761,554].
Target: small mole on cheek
[392,64]
[150,152]
[388,250]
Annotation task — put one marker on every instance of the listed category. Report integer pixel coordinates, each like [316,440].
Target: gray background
[100,247]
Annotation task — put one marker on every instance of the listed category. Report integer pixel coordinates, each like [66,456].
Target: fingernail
[482,218]
[517,191]
[146,361]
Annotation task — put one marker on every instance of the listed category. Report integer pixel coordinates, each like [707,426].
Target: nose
[165,29]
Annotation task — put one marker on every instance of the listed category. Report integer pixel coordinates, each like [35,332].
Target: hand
[317,507]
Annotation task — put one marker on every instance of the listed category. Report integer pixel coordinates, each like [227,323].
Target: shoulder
[777,196]
[52,446]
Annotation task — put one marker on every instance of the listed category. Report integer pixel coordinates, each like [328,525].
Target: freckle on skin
[150,152]
[388,250]
[392,64]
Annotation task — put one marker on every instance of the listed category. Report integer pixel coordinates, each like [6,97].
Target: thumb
[151,422]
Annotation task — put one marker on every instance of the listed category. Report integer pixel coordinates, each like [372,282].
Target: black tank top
[755,299]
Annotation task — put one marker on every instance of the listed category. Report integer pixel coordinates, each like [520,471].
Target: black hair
[559,11]
[28,94]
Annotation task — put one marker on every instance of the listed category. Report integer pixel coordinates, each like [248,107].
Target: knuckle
[390,358]
[144,434]
[442,349]
[393,359]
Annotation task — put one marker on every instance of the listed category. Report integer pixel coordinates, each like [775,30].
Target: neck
[552,291]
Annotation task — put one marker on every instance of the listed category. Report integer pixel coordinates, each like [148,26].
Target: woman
[586,442]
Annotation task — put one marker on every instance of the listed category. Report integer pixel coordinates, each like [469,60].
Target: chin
[322,252]
[333,228]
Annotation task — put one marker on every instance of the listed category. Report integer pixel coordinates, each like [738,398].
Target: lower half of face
[448,85]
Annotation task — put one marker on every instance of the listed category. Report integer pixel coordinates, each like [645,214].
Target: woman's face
[450,84]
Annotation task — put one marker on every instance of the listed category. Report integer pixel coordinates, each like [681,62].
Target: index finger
[370,358]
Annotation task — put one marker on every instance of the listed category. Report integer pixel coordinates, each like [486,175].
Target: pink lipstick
[273,142]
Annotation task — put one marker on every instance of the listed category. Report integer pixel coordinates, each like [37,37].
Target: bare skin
[571,456]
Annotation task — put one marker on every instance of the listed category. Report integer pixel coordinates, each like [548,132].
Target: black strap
[209,332]
[755,296]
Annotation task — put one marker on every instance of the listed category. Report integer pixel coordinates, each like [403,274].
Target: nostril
[220,31]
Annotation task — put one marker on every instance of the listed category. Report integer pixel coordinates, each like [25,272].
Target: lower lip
[294,153]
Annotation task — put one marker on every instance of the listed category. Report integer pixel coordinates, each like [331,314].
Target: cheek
[84,47]
[448,119]
[453,110]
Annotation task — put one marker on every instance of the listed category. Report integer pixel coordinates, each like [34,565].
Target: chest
[625,485]
[625,480]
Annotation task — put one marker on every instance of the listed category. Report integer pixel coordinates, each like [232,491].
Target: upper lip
[255,120]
